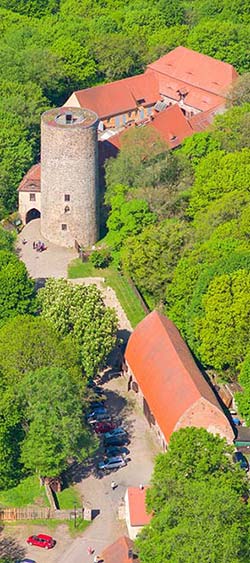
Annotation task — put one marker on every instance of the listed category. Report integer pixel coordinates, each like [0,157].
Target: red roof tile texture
[203,121]
[121,96]
[170,381]
[137,506]
[196,69]
[172,126]
[118,551]
[31,180]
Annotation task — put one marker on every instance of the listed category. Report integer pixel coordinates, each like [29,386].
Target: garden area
[29,492]
[119,283]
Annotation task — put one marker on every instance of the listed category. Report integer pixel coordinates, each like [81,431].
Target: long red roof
[121,96]
[165,370]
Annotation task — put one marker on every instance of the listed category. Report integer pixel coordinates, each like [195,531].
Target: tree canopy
[50,394]
[79,311]
[196,500]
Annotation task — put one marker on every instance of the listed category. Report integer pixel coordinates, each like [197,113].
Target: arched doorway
[32,214]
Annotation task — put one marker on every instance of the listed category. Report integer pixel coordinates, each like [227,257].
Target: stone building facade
[69,177]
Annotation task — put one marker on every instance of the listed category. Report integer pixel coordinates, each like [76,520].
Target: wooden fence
[29,513]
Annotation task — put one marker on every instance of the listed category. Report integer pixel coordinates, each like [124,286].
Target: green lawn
[69,498]
[124,292]
[51,524]
[27,492]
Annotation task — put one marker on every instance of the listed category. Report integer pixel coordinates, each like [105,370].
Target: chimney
[68,117]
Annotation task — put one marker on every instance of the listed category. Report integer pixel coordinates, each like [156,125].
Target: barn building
[171,389]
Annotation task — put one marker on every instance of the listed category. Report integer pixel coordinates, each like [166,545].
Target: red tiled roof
[172,125]
[121,96]
[196,69]
[202,121]
[137,506]
[31,181]
[195,97]
[118,551]
[165,370]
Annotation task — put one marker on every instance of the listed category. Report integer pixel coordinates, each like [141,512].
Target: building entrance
[32,214]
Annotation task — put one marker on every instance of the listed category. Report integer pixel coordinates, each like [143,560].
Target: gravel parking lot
[95,487]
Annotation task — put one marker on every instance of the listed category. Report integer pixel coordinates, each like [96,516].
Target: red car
[41,540]
[102,427]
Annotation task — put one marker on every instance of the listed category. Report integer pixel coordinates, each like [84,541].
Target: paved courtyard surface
[52,262]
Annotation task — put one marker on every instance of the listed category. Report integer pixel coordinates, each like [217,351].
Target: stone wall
[69,179]
[204,414]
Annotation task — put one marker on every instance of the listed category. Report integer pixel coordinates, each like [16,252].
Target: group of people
[39,246]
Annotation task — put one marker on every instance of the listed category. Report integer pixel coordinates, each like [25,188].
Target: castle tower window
[64,227]
[66,209]
[32,197]
[66,197]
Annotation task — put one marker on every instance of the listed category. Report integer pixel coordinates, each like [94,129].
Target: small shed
[135,510]
[242,440]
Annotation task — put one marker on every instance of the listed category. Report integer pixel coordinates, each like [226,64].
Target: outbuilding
[170,387]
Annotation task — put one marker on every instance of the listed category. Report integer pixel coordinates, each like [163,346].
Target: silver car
[112,463]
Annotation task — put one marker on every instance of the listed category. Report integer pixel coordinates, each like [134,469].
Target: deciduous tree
[50,395]
[80,311]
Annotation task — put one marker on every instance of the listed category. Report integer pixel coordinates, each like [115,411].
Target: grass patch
[28,492]
[124,292]
[68,498]
[52,524]
[81,525]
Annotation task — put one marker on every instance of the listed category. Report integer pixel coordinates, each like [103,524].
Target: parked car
[99,417]
[26,561]
[116,450]
[102,427]
[116,432]
[41,540]
[97,410]
[116,441]
[112,463]
[238,457]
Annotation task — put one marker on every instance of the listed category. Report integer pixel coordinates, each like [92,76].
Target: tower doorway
[32,214]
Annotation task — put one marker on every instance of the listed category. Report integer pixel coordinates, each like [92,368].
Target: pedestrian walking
[34,245]
[90,550]
[96,558]
[113,485]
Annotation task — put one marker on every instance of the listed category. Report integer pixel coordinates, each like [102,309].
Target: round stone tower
[69,176]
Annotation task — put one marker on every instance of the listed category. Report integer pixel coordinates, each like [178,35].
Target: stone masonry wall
[69,166]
